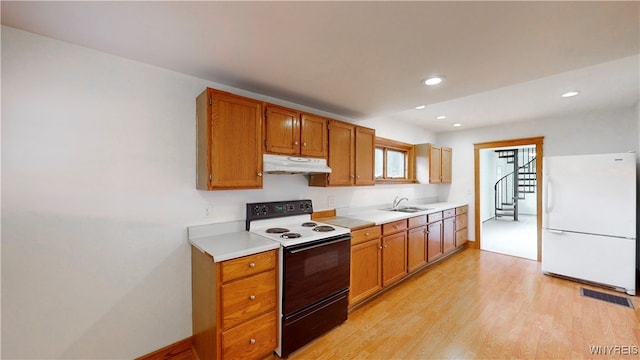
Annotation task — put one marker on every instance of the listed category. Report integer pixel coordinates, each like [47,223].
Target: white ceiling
[503,61]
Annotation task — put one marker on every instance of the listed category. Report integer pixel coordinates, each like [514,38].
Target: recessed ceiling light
[434,80]
[569,94]
[420,107]
[441,117]
[457,125]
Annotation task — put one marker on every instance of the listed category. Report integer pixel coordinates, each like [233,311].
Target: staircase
[517,184]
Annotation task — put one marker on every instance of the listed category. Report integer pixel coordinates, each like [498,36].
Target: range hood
[282,164]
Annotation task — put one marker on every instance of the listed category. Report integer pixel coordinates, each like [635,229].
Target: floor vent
[618,300]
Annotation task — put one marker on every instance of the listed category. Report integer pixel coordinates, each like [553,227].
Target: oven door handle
[297,250]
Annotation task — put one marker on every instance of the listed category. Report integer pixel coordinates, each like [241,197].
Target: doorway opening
[508,200]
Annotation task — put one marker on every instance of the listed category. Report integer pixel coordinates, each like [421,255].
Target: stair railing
[515,185]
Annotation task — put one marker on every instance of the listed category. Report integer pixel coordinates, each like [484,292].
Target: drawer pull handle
[252,297]
[252,341]
[252,265]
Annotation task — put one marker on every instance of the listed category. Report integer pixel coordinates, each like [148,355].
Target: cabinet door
[434,242]
[365,161]
[394,257]
[449,235]
[235,142]
[435,164]
[366,275]
[416,248]
[313,136]
[445,165]
[282,131]
[341,153]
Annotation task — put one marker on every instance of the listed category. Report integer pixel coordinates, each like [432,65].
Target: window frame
[408,149]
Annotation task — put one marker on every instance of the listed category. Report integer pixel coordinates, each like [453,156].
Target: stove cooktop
[295,230]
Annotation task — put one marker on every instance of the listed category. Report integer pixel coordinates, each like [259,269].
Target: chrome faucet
[396,202]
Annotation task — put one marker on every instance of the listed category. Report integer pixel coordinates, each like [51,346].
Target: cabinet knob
[252,341]
[380,247]
[304,144]
[252,265]
[259,174]
[385,246]
[366,234]
[295,143]
[252,297]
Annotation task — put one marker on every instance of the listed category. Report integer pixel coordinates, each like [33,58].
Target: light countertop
[225,241]
[376,216]
[228,245]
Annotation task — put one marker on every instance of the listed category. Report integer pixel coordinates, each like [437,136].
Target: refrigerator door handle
[548,195]
[555,231]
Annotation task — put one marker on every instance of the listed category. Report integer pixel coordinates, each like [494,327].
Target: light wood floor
[482,305]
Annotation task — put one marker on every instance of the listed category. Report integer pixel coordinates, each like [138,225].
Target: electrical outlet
[331,200]
[208,211]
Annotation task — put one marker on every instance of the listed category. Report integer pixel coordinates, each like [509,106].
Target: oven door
[314,271]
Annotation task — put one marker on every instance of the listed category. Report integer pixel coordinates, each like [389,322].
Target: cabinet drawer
[394,227]
[449,213]
[461,237]
[417,221]
[434,217]
[360,236]
[252,340]
[461,221]
[248,265]
[248,297]
[462,210]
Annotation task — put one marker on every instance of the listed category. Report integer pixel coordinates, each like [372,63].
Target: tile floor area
[516,238]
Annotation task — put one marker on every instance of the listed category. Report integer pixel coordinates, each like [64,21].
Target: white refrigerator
[589,219]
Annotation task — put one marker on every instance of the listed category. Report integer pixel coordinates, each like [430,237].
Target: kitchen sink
[407,209]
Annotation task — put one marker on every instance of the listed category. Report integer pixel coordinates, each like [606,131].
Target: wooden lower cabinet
[366,264]
[448,234]
[462,220]
[385,254]
[234,305]
[434,241]
[394,258]
[394,252]
[417,243]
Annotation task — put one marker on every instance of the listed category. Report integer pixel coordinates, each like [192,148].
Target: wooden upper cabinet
[351,156]
[445,165]
[282,130]
[439,158]
[290,132]
[435,163]
[341,153]
[229,141]
[365,152]
[314,136]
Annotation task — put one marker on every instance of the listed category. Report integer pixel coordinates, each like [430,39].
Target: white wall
[598,132]
[98,188]
[488,178]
